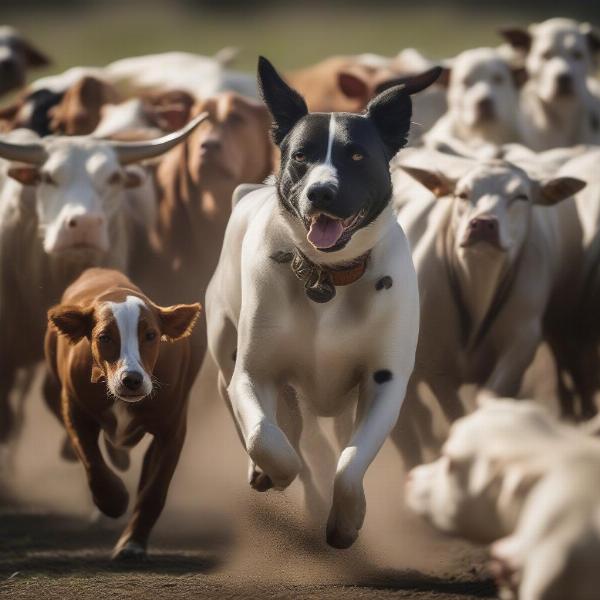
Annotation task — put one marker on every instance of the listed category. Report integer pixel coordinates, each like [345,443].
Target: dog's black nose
[321,195]
[132,380]
[485,106]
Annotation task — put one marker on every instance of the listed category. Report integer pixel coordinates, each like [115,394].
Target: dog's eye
[519,197]
[577,54]
[47,178]
[498,78]
[462,195]
[150,335]
[299,157]
[104,338]
[547,55]
[356,156]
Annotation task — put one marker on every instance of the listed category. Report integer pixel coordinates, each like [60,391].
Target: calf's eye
[104,338]
[150,335]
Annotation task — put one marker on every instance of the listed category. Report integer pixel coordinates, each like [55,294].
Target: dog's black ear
[285,104]
[518,37]
[391,110]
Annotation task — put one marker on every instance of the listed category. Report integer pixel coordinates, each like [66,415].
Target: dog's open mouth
[326,231]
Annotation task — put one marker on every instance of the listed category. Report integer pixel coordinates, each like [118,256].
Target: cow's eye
[150,335]
[47,178]
[104,338]
[299,157]
[577,54]
[115,179]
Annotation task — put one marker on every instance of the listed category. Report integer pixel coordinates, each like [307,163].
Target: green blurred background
[80,32]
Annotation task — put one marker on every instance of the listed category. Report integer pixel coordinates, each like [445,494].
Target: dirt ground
[217,538]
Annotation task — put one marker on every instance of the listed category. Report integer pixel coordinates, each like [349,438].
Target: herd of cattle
[116,187]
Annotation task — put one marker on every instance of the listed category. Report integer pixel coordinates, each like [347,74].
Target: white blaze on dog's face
[560,55]
[482,91]
[125,333]
[492,204]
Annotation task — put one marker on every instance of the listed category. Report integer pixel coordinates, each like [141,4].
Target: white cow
[560,104]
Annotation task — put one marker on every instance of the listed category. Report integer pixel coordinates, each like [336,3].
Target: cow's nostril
[132,380]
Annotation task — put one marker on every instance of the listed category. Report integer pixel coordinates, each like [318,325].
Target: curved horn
[33,154]
[129,152]
[412,83]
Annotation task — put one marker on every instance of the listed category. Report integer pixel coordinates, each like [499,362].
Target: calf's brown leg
[160,462]
[108,491]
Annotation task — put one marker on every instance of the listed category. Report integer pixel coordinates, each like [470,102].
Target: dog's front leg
[254,404]
[380,398]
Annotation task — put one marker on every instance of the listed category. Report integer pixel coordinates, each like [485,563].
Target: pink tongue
[325,232]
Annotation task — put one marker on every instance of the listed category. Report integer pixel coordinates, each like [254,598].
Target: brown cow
[120,364]
[195,184]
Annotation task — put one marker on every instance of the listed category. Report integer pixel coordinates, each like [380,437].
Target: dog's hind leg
[293,421]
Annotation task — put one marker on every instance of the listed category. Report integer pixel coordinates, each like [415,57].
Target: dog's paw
[259,480]
[110,494]
[130,550]
[347,513]
[270,450]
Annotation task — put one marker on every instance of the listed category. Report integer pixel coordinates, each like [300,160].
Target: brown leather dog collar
[320,281]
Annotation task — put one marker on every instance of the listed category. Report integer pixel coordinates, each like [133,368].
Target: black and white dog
[316,289]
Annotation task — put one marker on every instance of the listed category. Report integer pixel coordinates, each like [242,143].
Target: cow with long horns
[66,204]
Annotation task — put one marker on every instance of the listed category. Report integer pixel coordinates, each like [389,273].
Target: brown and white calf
[66,204]
[121,365]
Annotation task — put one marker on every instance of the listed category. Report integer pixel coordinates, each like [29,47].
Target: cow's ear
[434,181]
[592,35]
[285,104]
[353,86]
[518,37]
[551,191]
[73,322]
[133,176]
[25,174]
[33,56]
[178,321]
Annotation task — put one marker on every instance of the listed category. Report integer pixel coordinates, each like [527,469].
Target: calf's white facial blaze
[127,316]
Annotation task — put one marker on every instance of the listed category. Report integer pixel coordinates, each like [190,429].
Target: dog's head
[334,179]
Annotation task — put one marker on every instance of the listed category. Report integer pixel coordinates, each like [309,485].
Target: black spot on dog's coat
[385,283]
[382,375]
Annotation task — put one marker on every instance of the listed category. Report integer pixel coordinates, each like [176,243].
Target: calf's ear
[434,181]
[177,321]
[552,191]
[73,322]
[285,104]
